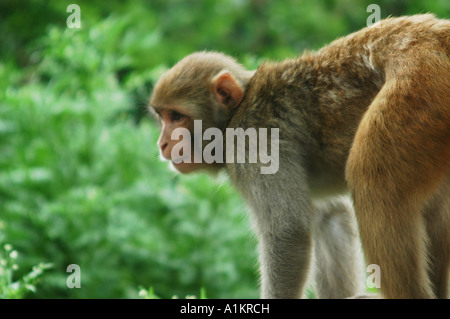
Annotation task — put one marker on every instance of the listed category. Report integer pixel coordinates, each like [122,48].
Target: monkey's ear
[227,91]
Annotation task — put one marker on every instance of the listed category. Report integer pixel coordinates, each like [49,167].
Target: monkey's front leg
[282,216]
[285,259]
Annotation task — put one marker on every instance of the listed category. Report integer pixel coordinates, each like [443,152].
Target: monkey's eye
[175,116]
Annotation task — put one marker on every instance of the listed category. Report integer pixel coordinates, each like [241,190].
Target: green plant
[19,288]
[150,294]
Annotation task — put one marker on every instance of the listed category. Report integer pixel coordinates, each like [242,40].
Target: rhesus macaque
[369,113]
[337,258]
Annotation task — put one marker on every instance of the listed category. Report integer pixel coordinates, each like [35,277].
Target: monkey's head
[205,86]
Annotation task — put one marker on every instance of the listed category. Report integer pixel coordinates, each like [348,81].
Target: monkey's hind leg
[399,159]
[437,214]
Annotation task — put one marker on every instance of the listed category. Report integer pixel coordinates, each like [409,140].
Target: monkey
[337,258]
[368,115]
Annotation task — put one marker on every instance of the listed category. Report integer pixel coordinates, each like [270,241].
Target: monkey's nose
[165,153]
[163,146]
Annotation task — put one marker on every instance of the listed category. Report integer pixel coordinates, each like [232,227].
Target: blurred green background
[80,178]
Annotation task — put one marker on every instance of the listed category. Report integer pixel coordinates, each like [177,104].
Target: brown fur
[370,111]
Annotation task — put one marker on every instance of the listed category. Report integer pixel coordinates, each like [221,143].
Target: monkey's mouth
[180,160]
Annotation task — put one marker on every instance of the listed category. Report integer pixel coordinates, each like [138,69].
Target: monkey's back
[321,97]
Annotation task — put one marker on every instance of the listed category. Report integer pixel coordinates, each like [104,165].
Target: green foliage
[10,289]
[150,294]
[80,178]
[81,183]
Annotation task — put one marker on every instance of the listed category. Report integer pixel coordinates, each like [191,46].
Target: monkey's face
[178,149]
[203,86]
